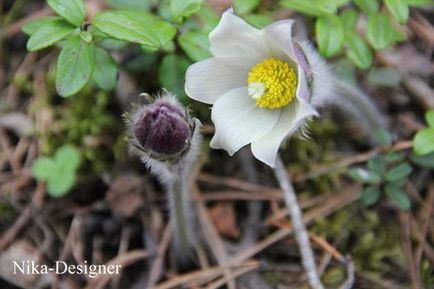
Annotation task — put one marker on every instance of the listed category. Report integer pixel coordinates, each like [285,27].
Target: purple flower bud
[162,128]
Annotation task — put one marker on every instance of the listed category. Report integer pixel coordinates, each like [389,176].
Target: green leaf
[195,44]
[357,50]
[106,70]
[367,6]
[378,165]
[424,141]
[399,9]
[141,5]
[135,26]
[86,36]
[398,197]
[395,157]
[330,34]
[60,183]
[349,19]
[429,117]
[43,168]
[399,172]
[245,6]
[32,26]
[172,71]
[67,157]
[380,31]
[181,9]
[74,66]
[303,6]
[369,196]
[419,2]
[48,34]
[383,137]
[258,20]
[72,10]
[364,176]
[426,161]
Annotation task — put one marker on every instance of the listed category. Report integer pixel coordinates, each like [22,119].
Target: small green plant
[336,25]
[386,173]
[424,139]
[58,171]
[83,56]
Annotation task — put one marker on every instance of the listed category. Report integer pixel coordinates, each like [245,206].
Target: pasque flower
[263,85]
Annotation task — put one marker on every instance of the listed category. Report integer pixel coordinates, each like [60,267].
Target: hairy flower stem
[299,229]
[179,216]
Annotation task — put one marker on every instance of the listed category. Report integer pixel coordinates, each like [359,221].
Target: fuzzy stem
[179,213]
[299,229]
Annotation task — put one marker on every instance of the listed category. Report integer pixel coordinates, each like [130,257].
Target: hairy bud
[162,128]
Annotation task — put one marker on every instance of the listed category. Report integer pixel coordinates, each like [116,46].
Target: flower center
[272,83]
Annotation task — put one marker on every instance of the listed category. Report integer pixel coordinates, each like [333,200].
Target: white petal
[266,148]
[238,43]
[206,80]
[238,121]
[279,36]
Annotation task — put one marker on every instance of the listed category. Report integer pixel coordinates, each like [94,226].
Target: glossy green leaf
[378,165]
[86,36]
[258,20]
[426,161]
[380,31]
[420,2]
[429,117]
[172,71]
[330,34]
[141,5]
[424,141]
[303,6]
[367,6]
[385,77]
[49,34]
[364,176]
[395,157]
[181,9]
[349,19]
[399,172]
[106,70]
[245,6]
[357,50]
[195,44]
[68,158]
[74,66]
[135,26]
[369,196]
[72,10]
[32,26]
[398,197]
[43,168]
[383,137]
[60,184]
[399,9]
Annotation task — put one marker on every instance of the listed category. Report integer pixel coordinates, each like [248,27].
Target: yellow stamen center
[272,83]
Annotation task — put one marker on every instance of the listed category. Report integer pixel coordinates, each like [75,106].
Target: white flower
[262,83]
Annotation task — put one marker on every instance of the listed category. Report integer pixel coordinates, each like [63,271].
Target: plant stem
[299,229]
[179,213]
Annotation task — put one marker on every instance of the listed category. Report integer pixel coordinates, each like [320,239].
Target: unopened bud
[162,128]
